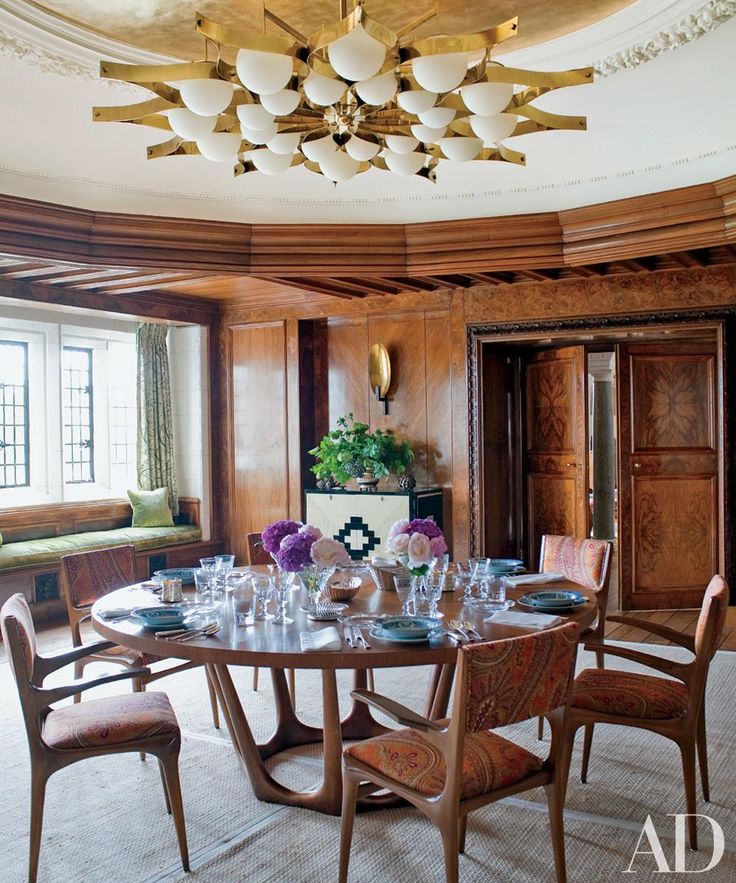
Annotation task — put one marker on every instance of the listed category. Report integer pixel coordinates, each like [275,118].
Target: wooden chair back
[87,576]
[712,618]
[254,550]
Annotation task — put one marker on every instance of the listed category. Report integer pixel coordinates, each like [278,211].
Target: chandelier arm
[131,112]
[285,26]
[417,23]
[165,148]
[145,74]
[550,79]
[443,45]
[330,33]
[548,120]
[242,38]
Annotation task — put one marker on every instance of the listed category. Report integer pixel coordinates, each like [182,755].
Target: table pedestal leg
[360,723]
[290,731]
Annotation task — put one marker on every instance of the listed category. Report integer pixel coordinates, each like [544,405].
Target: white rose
[398,527]
[419,550]
[329,553]
[398,544]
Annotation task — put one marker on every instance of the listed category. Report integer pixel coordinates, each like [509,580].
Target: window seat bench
[36,537]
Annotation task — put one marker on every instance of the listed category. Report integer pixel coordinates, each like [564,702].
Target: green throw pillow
[1,539]
[151,508]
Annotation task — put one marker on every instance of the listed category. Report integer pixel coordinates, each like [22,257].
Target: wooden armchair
[585,562]
[673,708]
[87,576]
[143,722]
[460,765]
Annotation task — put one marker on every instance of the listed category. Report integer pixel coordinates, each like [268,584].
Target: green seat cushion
[151,508]
[46,551]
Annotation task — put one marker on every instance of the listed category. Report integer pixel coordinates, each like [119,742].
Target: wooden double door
[668,429]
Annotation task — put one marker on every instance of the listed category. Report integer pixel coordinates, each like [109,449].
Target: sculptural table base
[290,732]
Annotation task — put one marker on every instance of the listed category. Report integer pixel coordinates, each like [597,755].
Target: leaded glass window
[14,423]
[78,422]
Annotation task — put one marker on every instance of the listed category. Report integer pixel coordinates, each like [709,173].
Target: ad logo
[657,852]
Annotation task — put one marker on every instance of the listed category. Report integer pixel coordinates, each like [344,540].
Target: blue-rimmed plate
[185,574]
[161,617]
[403,628]
[382,635]
[505,565]
[551,602]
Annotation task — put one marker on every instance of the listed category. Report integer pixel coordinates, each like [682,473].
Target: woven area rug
[105,818]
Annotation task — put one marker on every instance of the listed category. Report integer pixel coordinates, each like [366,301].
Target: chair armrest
[687,641]
[56,694]
[396,711]
[666,666]
[46,664]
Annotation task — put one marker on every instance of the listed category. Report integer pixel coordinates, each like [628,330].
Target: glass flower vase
[314,579]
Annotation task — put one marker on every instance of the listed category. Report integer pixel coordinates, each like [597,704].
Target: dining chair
[256,554]
[447,769]
[88,576]
[58,737]
[673,707]
[587,563]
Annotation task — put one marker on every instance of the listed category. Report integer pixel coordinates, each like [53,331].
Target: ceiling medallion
[351,97]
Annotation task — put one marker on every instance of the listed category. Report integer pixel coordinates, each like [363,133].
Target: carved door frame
[721,321]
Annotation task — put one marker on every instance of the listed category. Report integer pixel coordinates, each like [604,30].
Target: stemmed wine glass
[280,585]
[262,592]
[405,590]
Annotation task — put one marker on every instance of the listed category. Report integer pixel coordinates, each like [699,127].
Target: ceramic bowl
[505,565]
[556,599]
[154,617]
[185,574]
[408,627]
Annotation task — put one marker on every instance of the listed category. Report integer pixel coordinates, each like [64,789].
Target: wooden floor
[682,620]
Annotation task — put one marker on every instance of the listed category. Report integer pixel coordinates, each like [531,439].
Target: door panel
[556,445]
[669,522]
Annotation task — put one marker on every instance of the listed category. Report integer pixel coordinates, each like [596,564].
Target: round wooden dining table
[278,647]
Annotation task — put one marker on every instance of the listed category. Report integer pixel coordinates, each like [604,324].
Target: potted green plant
[351,450]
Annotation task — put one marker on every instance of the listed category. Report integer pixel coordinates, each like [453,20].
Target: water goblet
[281,583]
[202,587]
[262,592]
[435,582]
[461,580]
[223,566]
[405,590]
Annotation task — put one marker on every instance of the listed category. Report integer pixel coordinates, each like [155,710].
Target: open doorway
[602,444]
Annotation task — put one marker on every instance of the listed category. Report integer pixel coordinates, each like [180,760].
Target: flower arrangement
[416,544]
[301,548]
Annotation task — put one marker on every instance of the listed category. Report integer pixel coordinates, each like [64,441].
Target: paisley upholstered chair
[585,562]
[673,708]
[447,769]
[87,576]
[143,722]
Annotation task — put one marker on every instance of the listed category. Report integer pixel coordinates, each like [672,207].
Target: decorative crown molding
[688,29]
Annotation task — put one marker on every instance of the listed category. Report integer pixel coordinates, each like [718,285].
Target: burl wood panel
[260,458]
[439,398]
[348,389]
[552,504]
[550,389]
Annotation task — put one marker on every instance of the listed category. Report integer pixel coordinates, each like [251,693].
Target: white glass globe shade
[260,136]
[284,142]
[461,149]
[270,163]
[428,134]
[281,103]
[263,72]
[206,97]
[404,163]
[357,55]
[416,101]
[440,73]
[323,90]
[361,149]
[188,125]
[378,90]
[401,143]
[494,129]
[318,149]
[254,117]
[487,98]
[219,146]
[338,166]
[437,116]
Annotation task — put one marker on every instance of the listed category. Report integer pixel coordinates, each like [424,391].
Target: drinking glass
[435,581]
[202,587]
[479,568]
[280,585]
[405,590]
[497,591]
[461,580]
[223,566]
[262,592]
[241,599]
[210,566]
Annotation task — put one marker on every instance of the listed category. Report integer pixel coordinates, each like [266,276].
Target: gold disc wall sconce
[379,372]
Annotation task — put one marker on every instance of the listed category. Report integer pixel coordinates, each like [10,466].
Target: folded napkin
[533,579]
[535,621]
[382,561]
[324,639]
[114,614]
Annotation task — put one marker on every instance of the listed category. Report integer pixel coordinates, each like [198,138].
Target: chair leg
[213,701]
[292,685]
[350,787]
[170,767]
[703,755]
[540,728]
[462,830]
[38,798]
[687,750]
[371,680]
[556,828]
[450,843]
[587,745]
[78,674]
[139,686]
[255,679]
[165,786]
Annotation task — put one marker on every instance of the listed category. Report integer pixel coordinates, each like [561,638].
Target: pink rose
[311,531]
[398,544]
[398,527]
[439,546]
[329,553]
[419,550]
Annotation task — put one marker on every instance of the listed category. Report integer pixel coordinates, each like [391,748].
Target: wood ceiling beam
[413,283]
[323,286]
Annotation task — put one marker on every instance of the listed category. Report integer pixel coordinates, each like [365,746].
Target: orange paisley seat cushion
[489,762]
[102,723]
[629,694]
[126,654]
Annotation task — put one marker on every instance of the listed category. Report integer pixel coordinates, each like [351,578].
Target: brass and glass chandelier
[351,97]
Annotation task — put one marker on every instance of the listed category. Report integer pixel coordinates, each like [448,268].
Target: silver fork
[347,634]
[358,636]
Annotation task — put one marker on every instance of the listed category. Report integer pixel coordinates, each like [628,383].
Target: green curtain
[155,442]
